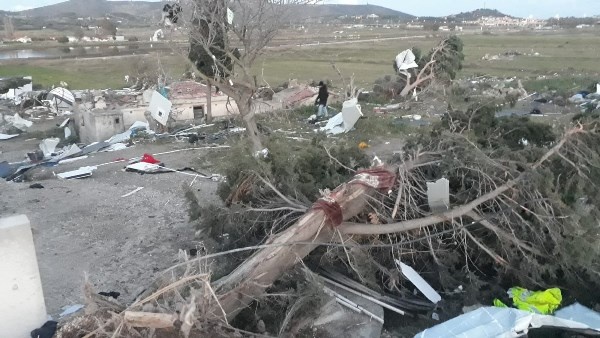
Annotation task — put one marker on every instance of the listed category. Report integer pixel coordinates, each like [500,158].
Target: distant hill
[316,11]
[99,8]
[479,13]
[95,8]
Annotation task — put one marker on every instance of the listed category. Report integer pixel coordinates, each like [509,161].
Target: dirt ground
[85,226]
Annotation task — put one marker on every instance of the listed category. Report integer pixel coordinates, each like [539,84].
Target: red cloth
[147,158]
[333,211]
[377,178]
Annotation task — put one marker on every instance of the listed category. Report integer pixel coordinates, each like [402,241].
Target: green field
[571,56]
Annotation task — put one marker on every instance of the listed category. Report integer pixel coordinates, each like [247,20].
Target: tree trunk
[250,280]
[245,108]
[208,111]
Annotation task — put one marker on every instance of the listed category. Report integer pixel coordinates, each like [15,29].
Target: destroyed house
[190,102]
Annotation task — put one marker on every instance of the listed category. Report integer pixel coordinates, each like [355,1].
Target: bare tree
[226,39]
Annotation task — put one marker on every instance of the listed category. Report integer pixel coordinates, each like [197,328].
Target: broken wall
[222,106]
[100,125]
[133,114]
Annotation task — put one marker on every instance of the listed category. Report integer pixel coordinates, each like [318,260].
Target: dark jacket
[323,96]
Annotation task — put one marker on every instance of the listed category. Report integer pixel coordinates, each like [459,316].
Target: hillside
[316,11]
[99,8]
[95,8]
[477,14]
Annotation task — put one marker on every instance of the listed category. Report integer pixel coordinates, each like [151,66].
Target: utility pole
[9,29]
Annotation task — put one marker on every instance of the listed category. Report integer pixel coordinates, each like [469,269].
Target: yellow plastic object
[498,303]
[363,145]
[543,302]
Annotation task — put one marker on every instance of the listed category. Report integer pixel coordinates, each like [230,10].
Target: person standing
[321,101]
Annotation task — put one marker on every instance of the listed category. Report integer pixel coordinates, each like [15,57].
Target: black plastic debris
[46,331]
[36,186]
[36,156]
[111,294]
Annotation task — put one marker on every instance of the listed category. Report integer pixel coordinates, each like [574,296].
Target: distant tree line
[571,22]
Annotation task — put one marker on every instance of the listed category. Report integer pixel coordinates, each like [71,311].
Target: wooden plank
[150,320]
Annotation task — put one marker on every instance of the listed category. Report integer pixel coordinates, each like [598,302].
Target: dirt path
[85,226]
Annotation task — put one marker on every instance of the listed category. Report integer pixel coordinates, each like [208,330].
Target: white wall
[22,307]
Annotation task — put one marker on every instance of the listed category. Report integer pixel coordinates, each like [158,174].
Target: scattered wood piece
[149,320]
[133,192]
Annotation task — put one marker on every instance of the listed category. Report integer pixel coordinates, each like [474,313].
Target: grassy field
[94,73]
[565,60]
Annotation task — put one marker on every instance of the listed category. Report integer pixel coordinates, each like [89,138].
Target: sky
[521,8]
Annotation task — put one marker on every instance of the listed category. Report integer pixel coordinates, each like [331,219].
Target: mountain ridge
[99,8]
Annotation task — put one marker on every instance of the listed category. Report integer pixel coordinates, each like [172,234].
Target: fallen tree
[512,210]
[249,281]
[441,64]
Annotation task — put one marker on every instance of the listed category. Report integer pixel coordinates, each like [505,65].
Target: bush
[63,39]
[388,87]
[295,169]
[133,39]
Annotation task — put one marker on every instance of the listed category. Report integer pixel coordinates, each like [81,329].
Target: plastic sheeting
[18,122]
[581,314]
[507,323]
[344,121]
[48,146]
[406,60]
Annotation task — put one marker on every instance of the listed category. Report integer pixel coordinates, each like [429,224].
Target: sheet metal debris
[143,167]
[64,123]
[66,152]
[115,147]
[82,172]
[94,147]
[59,95]
[419,282]
[125,136]
[74,159]
[160,108]
[7,136]
[438,195]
